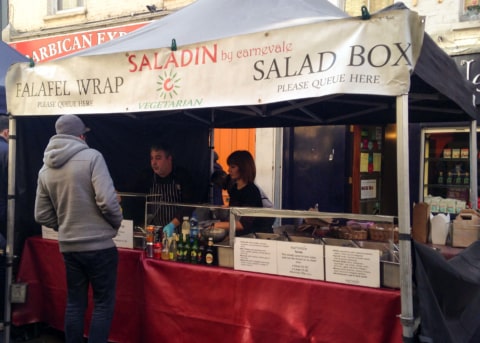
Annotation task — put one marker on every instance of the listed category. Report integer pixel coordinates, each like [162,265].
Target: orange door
[227,141]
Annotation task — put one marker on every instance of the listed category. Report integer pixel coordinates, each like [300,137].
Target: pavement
[34,333]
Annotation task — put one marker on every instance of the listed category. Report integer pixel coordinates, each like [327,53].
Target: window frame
[345,5]
[469,10]
[55,6]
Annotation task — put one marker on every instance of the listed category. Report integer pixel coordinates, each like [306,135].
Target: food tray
[264,235]
[339,242]
[304,239]
[347,232]
[388,252]
[383,234]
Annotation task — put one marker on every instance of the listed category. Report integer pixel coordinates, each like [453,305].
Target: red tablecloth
[168,301]
[41,266]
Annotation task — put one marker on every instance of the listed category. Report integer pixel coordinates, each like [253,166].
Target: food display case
[338,247]
[445,167]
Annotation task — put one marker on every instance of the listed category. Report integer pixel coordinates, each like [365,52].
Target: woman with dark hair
[244,193]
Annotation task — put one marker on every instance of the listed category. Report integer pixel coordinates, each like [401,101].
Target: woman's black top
[249,196]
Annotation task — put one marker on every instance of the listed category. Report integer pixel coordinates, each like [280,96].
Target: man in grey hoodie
[76,197]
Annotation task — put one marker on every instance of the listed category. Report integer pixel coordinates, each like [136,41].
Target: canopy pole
[473,165]
[211,142]
[403,184]
[278,168]
[9,256]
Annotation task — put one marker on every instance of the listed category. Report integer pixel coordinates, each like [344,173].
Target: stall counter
[169,301]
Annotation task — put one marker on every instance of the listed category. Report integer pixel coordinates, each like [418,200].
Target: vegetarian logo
[168,84]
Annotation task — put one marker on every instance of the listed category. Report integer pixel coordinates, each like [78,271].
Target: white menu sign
[300,260]
[354,266]
[255,255]
[124,238]
[49,233]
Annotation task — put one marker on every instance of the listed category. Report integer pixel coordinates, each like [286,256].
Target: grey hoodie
[76,196]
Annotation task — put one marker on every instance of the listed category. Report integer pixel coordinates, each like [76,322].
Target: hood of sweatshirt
[61,148]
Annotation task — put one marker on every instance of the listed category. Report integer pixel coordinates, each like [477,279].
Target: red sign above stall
[53,47]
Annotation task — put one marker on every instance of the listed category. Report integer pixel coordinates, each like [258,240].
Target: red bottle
[157,250]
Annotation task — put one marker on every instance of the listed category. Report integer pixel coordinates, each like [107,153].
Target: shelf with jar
[445,163]
[451,179]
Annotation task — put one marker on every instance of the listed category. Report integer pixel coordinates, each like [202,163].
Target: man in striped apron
[168,184]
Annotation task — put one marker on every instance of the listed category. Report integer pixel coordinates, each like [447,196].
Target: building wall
[31,19]
[454,29]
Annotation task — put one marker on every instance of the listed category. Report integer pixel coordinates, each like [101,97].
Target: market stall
[245,69]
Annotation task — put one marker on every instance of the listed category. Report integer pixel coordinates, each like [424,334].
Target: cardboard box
[466,228]
[455,153]
[421,222]
[447,153]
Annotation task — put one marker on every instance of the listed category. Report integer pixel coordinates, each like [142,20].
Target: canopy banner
[375,56]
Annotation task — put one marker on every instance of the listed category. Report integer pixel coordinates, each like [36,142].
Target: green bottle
[449,178]
[440,178]
[172,251]
[180,248]
[201,252]
[186,250]
[194,251]
[466,179]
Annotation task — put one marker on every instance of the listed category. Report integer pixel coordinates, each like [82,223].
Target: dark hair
[161,146]
[245,163]
[3,122]
[219,178]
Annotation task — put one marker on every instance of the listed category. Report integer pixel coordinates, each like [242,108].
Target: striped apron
[161,214]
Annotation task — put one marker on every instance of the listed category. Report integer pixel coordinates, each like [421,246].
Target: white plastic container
[440,226]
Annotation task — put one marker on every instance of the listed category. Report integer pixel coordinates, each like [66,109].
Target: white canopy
[255,68]
[207,20]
